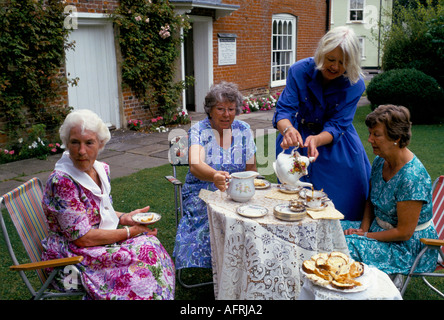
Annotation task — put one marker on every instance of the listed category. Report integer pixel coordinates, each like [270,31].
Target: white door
[203,58]
[93,61]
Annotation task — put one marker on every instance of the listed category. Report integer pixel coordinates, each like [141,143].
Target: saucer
[252,211]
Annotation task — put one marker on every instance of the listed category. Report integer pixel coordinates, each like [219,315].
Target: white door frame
[203,59]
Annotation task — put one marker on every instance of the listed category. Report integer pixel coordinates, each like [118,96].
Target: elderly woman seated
[119,263]
[218,146]
[399,210]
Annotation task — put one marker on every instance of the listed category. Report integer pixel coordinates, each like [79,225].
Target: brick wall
[252,24]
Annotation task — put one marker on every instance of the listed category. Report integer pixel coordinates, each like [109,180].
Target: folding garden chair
[178,157]
[432,244]
[25,209]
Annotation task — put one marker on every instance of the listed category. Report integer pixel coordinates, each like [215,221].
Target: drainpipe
[379,34]
[327,18]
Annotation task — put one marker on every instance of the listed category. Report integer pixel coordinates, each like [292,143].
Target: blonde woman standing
[315,112]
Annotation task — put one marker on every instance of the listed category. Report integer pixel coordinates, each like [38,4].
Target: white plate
[252,211]
[288,189]
[321,207]
[267,184]
[283,212]
[144,217]
[364,280]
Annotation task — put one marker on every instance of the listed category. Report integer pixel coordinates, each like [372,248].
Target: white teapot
[289,168]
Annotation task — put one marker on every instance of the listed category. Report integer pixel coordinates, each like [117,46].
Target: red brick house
[249,42]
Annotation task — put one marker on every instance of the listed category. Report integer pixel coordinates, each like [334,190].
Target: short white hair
[346,39]
[87,120]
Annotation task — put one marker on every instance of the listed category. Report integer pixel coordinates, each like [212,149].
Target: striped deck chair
[25,209]
[432,244]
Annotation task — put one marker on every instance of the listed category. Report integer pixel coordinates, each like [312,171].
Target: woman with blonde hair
[315,112]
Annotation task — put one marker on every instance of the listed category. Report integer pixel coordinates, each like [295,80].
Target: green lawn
[149,187]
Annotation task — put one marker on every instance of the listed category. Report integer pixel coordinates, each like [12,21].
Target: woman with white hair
[119,263]
[315,112]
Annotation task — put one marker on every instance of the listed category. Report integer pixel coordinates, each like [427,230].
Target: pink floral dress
[138,268]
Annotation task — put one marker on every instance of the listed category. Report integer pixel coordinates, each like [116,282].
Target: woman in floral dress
[399,211]
[218,146]
[119,263]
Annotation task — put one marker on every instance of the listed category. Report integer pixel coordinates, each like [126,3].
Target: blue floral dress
[192,247]
[412,182]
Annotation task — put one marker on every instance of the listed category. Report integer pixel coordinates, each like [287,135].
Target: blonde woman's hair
[346,39]
[87,120]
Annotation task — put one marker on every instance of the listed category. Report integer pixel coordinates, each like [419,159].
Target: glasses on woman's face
[222,110]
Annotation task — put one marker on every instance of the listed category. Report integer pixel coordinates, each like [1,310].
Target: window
[356,11]
[283,47]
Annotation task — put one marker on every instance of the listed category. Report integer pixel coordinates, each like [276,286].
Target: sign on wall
[227,48]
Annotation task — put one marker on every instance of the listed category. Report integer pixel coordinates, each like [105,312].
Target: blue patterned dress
[412,182]
[192,247]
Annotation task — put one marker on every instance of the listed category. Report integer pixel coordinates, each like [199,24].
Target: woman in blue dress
[316,111]
[218,146]
[399,210]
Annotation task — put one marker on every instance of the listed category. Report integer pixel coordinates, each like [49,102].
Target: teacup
[314,198]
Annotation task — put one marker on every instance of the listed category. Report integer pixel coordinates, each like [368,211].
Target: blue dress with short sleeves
[192,247]
[412,182]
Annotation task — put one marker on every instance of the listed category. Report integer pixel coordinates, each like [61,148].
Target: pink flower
[11,152]
[57,145]
[54,149]
[164,32]
[147,254]
[138,18]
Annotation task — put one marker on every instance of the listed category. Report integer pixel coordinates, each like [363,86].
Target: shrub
[149,37]
[415,40]
[31,144]
[411,88]
[32,51]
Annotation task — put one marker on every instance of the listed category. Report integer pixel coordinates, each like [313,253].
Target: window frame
[355,9]
[289,55]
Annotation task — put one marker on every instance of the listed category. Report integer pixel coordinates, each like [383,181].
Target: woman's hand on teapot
[220,180]
[291,138]
[312,144]
[315,141]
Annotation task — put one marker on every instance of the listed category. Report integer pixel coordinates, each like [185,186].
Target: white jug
[241,185]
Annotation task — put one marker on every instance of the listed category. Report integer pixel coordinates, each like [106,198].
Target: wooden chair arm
[173,180]
[432,242]
[47,264]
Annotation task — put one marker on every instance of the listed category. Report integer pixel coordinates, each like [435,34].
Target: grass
[149,187]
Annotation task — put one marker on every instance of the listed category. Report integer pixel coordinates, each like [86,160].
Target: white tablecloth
[260,258]
[378,286]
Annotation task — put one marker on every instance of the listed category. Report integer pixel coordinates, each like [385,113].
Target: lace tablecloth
[260,258]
